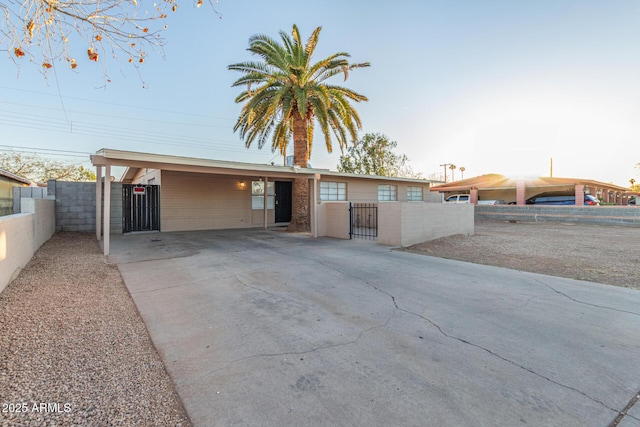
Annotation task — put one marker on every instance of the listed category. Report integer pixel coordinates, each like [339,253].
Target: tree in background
[286,95]
[373,155]
[47,31]
[452,167]
[38,169]
[462,169]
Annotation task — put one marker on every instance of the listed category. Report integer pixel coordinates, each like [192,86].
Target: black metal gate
[363,222]
[140,207]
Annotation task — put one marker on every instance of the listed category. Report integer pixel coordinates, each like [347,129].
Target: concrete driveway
[271,329]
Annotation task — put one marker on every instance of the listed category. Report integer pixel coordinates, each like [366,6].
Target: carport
[240,174]
[518,190]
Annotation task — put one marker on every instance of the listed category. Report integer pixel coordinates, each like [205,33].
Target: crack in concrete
[289,353]
[464,341]
[512,362]
[293,353]
[583,302]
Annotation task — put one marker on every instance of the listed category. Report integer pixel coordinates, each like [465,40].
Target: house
[8,181]
[518,190]
[173,193]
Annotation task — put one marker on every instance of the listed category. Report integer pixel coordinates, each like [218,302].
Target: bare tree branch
[45,31]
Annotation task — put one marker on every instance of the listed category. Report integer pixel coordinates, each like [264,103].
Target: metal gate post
[350,221]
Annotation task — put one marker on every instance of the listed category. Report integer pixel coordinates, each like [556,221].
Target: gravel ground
[603,254]
[73,348]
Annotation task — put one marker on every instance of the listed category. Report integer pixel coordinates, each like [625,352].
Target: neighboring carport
[518,190]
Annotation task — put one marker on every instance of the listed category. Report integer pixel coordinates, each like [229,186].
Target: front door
[283,201]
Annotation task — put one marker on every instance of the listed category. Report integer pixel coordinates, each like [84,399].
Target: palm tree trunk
[300,203]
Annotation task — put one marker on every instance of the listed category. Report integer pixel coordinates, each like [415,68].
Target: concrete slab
[270,328]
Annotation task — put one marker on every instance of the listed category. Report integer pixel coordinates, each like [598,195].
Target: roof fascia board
[188,164]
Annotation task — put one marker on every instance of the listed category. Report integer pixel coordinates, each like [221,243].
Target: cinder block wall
[76,206]
[602,215]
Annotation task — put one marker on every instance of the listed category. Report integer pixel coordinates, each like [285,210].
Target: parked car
[458,198]
[632,200]
[541,199]
[492,202]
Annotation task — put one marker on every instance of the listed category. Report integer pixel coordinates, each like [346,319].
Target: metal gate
[363,222]
[140,207]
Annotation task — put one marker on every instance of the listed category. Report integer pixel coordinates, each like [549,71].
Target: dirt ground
[603,254]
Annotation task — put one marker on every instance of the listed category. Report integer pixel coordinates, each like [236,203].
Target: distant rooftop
[14,177]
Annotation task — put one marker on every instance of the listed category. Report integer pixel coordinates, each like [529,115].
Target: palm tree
[286,95]
[462,169]
[452,167]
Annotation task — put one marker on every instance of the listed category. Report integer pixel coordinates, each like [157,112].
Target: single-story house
[204,194]
[518,190]
[9,180]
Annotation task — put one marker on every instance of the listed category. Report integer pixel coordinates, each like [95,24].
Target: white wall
[21,235]
[405,224]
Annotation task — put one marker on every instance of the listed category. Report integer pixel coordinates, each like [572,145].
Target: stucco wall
[22,234]
[404,224]
[144,175]
[364,190]
[334,220]
[192,201]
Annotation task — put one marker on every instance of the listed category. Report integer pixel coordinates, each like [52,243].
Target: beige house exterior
[205,194]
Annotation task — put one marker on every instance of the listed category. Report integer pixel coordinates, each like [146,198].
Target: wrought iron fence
[363,222]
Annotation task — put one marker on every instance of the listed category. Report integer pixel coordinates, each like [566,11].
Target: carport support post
[107,208]
[316,177]
[266,198]
[98,202]
[520,192]
[579,193]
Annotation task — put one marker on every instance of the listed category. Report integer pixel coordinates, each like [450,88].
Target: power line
[123,105]
[137,119]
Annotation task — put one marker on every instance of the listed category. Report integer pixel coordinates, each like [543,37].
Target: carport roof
[135,160]
[501,182]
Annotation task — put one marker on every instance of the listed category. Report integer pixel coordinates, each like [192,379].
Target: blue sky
[494,86]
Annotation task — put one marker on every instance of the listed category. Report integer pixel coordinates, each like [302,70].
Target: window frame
[412,190]
[257,195]
[389,194]
[340,190]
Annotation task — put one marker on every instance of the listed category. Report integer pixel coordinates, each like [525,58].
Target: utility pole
[445,171]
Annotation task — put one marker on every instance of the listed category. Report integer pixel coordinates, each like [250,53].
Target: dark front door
[283,201]
[140,208]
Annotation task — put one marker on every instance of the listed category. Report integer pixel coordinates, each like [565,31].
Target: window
[333,190]
[257,195]
[414,194]
[387,193]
